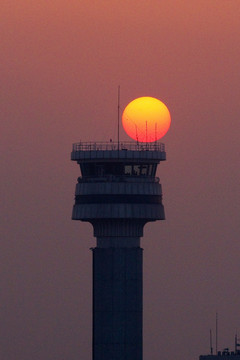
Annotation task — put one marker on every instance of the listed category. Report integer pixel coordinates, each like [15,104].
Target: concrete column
[117,303]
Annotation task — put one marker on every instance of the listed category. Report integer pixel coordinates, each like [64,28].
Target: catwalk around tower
[118,193]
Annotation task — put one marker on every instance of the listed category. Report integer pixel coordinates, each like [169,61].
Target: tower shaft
[117,303]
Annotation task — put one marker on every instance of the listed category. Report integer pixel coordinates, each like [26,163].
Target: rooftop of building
[222,355]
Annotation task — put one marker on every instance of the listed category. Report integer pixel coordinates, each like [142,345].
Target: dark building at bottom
[222,355]
[226,354]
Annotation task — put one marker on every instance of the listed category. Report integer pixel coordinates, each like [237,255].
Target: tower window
[128,169]
[136,170]
[115,168]
[144,170]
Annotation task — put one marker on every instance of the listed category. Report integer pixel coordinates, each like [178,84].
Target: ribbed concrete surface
[150,212]
[117,304]
[115,188]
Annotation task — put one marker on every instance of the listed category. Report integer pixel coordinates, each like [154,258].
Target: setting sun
[146,119]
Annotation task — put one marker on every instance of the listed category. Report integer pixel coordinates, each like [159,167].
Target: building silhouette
[118,193]
[222,355]
[225,354]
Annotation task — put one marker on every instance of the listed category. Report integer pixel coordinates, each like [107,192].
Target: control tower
[118,193]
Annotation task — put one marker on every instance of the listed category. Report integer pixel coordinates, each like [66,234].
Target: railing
[134,146]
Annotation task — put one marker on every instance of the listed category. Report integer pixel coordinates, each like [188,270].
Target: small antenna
[216,333]
[236,343]
[118,112]
[136,133]
[155,132]
[211,347]
[146,133]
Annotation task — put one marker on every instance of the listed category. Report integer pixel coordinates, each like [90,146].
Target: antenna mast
[216,333]
[146,133]
[236,343]
[211,347]
[118,112]
[136,133]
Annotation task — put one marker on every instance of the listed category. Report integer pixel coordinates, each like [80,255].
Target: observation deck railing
[111,146]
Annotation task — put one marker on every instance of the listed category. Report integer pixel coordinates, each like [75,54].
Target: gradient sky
[61,63]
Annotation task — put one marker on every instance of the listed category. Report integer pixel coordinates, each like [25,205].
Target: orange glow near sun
[146,119]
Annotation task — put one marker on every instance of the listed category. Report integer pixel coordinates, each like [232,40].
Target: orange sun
[146,119]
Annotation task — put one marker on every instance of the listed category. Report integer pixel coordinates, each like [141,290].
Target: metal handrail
[111,146]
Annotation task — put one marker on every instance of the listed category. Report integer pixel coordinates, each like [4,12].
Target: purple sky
[61,64]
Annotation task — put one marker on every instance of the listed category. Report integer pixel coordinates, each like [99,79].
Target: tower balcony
[111,150]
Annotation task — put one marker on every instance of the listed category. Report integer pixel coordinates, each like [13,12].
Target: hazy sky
[61,63]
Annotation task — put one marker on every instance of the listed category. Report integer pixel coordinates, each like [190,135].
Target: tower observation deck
[118,193]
